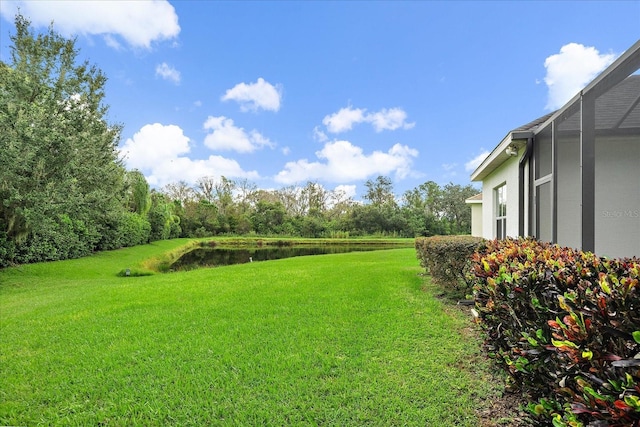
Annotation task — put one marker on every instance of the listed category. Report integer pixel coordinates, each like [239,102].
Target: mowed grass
[332,340]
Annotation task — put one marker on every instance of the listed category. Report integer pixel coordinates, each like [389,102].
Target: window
[501,211]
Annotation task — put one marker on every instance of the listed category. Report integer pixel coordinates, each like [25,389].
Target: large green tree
[164,223]
[380,191]
[60,176]
[422,208]
[455,210]
[137,192]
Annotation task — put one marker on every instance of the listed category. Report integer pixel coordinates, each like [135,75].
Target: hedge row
[565,325]
[448,259]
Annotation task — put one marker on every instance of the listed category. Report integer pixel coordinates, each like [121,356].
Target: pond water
[216,257]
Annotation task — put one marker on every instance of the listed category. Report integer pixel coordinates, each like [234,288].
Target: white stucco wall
[506,173]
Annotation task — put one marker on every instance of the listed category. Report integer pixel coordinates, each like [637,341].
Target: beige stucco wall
[476,219]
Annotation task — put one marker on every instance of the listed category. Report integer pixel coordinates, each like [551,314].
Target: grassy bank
[348,339]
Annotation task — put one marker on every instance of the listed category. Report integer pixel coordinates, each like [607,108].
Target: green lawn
[332,340]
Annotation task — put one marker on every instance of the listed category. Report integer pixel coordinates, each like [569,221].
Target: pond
[216,257]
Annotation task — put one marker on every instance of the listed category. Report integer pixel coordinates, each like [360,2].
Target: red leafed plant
[565,325]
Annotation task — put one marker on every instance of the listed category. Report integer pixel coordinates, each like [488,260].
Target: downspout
[521,196]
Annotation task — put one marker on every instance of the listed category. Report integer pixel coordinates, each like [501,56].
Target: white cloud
[473,164]
[110,41]
[349,191]
[226,136]
[385,119]
[341,161]
[392,119]
[153,144]
[571,70]
[190,170]
[449,166]
[255,96]
[167,72]
[139,23]
[319,135]
[343,120]
[159,151]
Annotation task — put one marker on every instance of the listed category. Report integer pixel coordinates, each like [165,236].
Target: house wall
[476,219]
[569,198]
[617,219]
[527,201]
[617,196]
[506,173]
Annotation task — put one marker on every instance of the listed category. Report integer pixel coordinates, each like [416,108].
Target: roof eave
[498,156]
[627,62]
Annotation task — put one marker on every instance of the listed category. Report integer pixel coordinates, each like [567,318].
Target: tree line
[65,192]
[220,206]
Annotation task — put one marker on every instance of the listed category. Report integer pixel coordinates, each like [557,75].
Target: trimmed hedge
[565,325]
[448,259]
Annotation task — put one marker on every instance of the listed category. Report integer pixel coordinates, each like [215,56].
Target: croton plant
[565,325]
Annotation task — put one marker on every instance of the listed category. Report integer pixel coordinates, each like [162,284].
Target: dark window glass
[501,212]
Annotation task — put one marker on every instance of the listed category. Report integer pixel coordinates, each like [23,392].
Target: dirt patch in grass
[505,409]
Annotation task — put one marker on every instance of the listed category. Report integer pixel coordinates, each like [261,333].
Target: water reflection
[215,257]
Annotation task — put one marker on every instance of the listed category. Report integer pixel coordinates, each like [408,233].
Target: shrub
[55,238]
[174,229]
[565,325]
[124,229]
[135,230]
[448,259]
[159,223]
[7,250]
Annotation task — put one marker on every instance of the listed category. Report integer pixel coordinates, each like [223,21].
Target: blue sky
[285,92]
